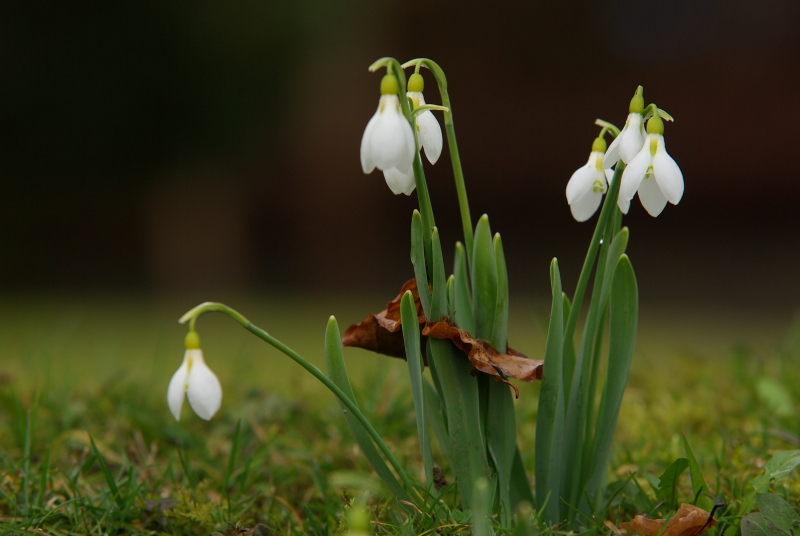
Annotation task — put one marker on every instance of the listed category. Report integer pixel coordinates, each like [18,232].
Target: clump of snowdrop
[652,172]
[587,185]
[388,142]
[194,378]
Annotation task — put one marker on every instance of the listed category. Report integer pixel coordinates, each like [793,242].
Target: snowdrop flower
[587,185]
[631,138]
[430,139]
[388,141]
[194,378]
[653,173]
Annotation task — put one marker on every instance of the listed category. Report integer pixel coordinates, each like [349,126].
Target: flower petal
[651,196]
[204,392]
[580,183]
[391,142]
[668,175]
[634,173]
[623,204]
[584,207]
[430,136]
[367,163]
[176,389]
[630,143]
[612,153]
[400,183]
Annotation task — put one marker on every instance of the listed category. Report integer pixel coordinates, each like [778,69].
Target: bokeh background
[203,148]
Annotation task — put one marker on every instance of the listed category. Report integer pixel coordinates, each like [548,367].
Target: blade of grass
[699,486]
[112,485]
[186,469]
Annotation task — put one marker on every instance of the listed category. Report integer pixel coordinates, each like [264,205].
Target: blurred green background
[154,155]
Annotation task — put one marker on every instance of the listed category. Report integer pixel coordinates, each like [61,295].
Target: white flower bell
[587,185]
[388,141]
[630,140]
[194,378]
[653,173]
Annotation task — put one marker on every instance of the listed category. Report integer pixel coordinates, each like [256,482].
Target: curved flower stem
[455,158]
[209,307]
[609,204]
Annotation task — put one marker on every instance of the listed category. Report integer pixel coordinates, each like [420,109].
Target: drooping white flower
[197,381]
[628,143]
[400,183]
[653,173]
[388,141]
[428,129]
[587,185]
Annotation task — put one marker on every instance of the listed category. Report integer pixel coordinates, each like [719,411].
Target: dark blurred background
[189,146]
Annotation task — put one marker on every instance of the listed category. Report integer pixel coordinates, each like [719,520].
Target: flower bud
[416,83]
[192,341]
[389,85]
[637,102]
[655,125]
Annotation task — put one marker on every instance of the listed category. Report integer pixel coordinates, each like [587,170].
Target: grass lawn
[77,369]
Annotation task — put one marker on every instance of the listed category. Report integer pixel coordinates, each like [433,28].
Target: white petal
[668,174]
[400,183]
[430,136]
[580,183]
[653,200]
[176,389]
[612,153]
[205,391]
[585,207]
[630,143]
[634,173]
[623,204]
[391,142]
[367,164]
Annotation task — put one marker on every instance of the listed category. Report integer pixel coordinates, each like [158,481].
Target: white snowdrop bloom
[653,173]
[194,378]
[428,129]
[400,183]
[628,143]
[586,187]
[388,141]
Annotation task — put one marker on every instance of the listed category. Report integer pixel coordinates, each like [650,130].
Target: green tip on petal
[637,102]
[192,341]
[389,85]
[599,145]
[655,125]
[416,83]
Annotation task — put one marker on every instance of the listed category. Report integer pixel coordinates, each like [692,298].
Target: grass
[87,444]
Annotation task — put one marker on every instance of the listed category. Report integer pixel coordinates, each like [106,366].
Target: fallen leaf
[689,520]
[382,333]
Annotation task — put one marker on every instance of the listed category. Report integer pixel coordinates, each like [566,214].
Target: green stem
[209,307]
[455,158]
[609,204]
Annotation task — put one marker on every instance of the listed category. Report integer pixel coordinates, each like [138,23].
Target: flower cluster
[649,170]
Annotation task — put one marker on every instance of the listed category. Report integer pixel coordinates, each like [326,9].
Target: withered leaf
[382,333]
[688,521]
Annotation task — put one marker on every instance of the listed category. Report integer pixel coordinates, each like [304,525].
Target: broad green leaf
[464,317]
[484,280]
[439,299]
[337,372]
[699,487]
[520,486]
[550,420]
[623,321]
[418,260]
[779,512]
[501,438]
[408,315]
[481,508]
[667,488]
[437,419]
[756,524]
[460,392]
[500,330]
[615,251]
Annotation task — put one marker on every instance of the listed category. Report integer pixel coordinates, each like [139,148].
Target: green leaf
[232,457]
[667,488]
[437,419]
[756,524]
[460,392]
[418,260]
[501,438]
[337,372]
[774,395]
[464,317]
[500,330]
[520,486]
[699,487]
[112,485]
[439,300]
[779,512]
[408,315]
[550,420]
[484,280]
[623,321]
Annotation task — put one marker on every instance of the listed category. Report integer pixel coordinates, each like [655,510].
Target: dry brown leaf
[689,520]
[382,333]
